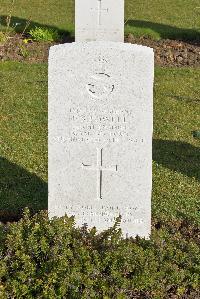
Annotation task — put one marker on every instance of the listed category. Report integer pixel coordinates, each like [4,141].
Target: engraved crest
[100,84]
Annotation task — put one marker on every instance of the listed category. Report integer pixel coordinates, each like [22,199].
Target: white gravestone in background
[100,134]
[99,20]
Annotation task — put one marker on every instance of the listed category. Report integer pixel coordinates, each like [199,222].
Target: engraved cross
[99,168]
[100,10]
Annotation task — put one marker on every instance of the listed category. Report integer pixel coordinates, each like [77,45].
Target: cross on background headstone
[100,10]
[99,168]
[99,20]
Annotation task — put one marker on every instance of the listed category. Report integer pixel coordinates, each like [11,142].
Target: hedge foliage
[42,258]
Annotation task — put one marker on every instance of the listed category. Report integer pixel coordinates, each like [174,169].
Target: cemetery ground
[174,37]
[24,141]
[175,199]
[56,260]
[156,19]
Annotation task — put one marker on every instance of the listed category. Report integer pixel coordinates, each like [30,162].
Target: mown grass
[156,18]
[163,19]
[176,154]
[23,123]
[23,131]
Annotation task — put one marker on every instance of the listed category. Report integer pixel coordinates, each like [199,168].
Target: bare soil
[171,52]
[167,52]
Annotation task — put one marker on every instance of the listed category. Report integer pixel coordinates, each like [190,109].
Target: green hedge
[53,259]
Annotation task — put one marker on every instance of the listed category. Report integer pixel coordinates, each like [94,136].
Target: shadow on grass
[166,31]
[18,25]
[19,189]
[178,156]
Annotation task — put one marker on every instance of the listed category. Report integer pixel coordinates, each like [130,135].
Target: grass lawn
[155,18]
[42,258]
[23,124]
[23,131]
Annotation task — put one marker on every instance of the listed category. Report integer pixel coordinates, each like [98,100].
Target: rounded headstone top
[103,45]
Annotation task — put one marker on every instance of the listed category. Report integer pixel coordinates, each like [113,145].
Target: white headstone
[100,134]
[99,20]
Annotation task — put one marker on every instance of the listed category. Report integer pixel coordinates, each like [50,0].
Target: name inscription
[101,126]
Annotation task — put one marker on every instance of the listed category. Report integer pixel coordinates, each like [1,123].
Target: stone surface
[100,134]
[99,20]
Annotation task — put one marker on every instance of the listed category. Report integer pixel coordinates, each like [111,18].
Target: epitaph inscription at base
[100,134]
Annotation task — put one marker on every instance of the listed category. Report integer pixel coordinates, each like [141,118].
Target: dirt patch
[18,48]
[167,52]
[171,52]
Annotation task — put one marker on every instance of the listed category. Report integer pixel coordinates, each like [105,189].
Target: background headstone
[99,20]
[100,134]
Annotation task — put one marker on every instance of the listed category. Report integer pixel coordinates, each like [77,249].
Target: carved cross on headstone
[99,20]
[100,10]
[99,168]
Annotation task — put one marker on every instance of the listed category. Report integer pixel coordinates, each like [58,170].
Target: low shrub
[44,34]
[42,258]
